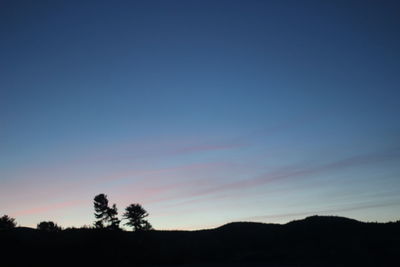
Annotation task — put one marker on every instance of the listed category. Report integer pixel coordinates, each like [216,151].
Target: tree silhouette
[106,216]
[135,215]
[112,214]
[48,226]
[7,222]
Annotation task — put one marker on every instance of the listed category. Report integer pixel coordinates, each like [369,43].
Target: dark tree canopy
[7,222]
[106,216]
[100,207]
[48,226]
[136,214]
[112,217]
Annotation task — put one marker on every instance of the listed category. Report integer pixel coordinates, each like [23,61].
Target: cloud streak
[289,172]
[47,208]
[147,188]
[360,206]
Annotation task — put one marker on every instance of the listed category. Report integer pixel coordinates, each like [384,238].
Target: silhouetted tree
[48,226]
[112,217]
[106,216]
[135,215]
[7,222]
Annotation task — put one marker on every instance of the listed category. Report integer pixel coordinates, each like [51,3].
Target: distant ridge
[325,219]
[313,241]
[314,219]
[234,225]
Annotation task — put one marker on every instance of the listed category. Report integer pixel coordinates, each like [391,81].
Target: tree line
[106,218]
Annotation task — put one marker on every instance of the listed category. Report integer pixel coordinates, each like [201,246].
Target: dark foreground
[315,241]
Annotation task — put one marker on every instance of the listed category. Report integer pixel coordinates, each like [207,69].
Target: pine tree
[106,216]
[135,215]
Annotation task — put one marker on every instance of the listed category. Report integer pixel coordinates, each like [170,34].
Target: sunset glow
[205,112]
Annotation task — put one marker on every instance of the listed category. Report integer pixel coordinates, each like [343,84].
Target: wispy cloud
[143,190]
[147,185]
[291,172]
[154,149]
[161,171]
[47,208]
[207,147]
[333,211]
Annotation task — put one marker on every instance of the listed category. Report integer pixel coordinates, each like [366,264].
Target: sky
[205,112]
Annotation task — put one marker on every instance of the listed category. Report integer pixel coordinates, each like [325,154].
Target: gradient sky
[205,112]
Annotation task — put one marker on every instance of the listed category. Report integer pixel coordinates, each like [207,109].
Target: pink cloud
[47,208]
[207,147]
[141,150]
[142,191]
[182,168]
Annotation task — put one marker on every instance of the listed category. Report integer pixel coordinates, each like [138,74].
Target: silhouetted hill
[325,220]
[314,241]
[248,226]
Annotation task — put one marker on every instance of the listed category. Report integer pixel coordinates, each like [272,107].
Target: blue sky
[203,111]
